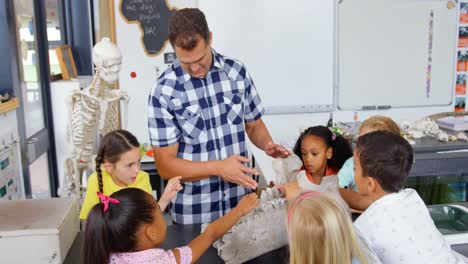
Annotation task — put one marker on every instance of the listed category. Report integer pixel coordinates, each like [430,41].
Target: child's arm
[355,200]
[220,226]
[172,187]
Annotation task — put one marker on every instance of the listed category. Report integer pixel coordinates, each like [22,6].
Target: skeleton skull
[108,60]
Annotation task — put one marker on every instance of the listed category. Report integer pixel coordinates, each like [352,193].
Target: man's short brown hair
[184,26]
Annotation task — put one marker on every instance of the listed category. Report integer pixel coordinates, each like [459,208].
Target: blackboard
[152,17]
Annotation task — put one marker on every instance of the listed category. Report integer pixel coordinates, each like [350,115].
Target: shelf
[10,105]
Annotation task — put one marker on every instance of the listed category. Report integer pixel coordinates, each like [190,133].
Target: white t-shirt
[329,186]
[400,230]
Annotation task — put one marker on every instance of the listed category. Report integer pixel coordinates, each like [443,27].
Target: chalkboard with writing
[152,17]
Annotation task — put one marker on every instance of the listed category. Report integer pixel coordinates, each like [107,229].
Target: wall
[283,128]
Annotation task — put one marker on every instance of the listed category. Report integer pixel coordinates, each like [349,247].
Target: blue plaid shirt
[205,116]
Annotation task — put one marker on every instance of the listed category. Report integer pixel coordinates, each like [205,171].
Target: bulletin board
[395,53]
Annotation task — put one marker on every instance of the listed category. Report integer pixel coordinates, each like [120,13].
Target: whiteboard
[384,53]
[287,46]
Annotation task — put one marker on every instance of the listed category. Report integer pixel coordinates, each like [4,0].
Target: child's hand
[291,190]
[247,203]
[172,188]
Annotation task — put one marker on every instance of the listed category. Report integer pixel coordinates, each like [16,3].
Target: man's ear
[211,38]
[329,153]
[109,167]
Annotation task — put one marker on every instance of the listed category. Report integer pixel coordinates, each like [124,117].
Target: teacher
[200,110]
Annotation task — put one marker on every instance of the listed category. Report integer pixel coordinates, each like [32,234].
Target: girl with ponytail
[128,227]
[118,167]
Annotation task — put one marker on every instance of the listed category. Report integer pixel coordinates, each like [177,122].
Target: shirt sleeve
[185,255]
[91,198]
[253,108]
[346,174]
[162,125]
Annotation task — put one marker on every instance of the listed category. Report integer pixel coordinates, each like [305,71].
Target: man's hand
[276,151]
[233,170]
[291,190]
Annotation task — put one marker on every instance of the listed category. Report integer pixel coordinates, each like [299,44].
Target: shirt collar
[183,77]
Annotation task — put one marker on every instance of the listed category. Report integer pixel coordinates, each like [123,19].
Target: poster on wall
[463,12]
[462,58]
[462,61]
[461,84]
[10,181]
[460,104]
[463,37]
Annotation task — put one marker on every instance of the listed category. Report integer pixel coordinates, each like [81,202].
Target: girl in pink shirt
[128,226]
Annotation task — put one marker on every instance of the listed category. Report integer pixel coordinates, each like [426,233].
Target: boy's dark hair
[341,148]
[113,145]
[386,157]
[184,26]
[115,230]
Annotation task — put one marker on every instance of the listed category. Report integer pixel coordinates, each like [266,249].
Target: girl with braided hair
[118,167]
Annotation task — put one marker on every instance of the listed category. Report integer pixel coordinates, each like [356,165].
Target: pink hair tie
[302,197]
[106,200]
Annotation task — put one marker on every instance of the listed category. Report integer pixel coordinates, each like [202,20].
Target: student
[373,123]
[117,167]
[314,217]
[397,223]
[322,152]
[128,226]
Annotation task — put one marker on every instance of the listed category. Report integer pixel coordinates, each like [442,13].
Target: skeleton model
[264,229]
[92,111]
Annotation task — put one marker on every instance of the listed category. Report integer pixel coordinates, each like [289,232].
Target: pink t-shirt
[154,255]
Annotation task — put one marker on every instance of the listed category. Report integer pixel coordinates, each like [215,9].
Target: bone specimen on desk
[261,231]
[92,111]
[264,229]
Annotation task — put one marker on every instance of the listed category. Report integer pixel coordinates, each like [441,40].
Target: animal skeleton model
[92,111]
[264,229]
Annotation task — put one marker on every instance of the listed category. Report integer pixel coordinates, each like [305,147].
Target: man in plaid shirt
[199,112]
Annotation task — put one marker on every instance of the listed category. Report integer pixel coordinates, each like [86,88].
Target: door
[34,116]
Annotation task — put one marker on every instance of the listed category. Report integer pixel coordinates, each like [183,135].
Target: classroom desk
[180,235]
[435,158]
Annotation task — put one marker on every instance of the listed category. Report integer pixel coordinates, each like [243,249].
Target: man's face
[359,178]
[197,61]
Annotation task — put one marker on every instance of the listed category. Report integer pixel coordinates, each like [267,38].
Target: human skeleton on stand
[92,111]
